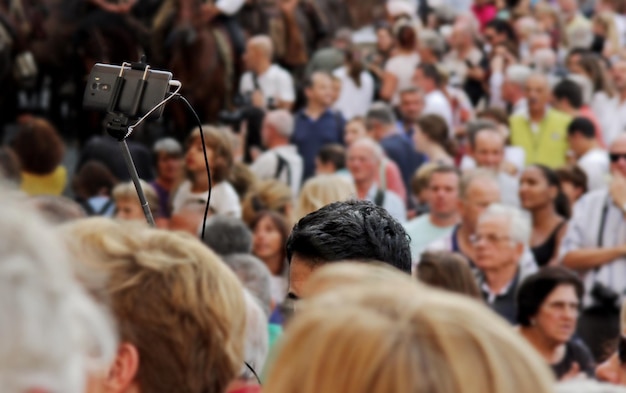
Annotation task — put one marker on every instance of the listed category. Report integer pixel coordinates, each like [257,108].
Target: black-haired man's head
[351,230]
[581,135]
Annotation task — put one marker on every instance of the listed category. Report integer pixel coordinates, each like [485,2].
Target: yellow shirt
[50,184]
[545,144]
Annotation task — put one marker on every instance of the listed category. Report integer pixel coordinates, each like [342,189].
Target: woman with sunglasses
[613,370]
[548,304]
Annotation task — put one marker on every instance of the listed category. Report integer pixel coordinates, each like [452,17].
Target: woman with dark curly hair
[40,150]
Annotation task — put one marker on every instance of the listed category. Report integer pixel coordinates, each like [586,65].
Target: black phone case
[100,88]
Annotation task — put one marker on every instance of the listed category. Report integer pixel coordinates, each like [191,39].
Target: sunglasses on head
[614,157]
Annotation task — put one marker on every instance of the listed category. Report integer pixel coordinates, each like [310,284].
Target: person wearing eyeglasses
[595,246]
[613,370]
[548,305]
[502,234]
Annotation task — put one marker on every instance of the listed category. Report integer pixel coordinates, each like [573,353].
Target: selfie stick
[119,127]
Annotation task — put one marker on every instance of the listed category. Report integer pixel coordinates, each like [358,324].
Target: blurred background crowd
[405,195]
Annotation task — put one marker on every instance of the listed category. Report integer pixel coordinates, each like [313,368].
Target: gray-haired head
[381,113]
[254,275]
[475,176]
[169,146]
[282,121]
[53,333]
[256,344]
[264,44]
[473,127]
[579,36]
[432,40]
[57,209]
[227,235]
[374,147]
[519,222]
[544,60]
[518,74]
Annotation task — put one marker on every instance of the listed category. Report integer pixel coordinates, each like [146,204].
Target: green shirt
[547,143]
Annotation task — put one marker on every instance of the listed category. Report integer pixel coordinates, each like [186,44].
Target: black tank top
[544,252]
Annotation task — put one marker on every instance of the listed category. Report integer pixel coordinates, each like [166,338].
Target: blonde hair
[272,195]
[221,142]
[174,299]
[607,21]
[399,337]
[322,190]
[128,191]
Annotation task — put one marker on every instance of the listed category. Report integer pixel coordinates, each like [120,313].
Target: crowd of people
[433,202]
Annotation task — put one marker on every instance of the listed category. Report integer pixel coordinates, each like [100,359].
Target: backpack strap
[105,207]
[379,199]
[282,164]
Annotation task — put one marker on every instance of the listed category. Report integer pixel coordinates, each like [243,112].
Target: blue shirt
[407,133]
[402,152]
[310,135]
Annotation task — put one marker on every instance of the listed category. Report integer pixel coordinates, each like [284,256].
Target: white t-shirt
[613,121]
[265,166]
[596,165]
[403,68]
[275,83]
[354,100]
[436,103]
[224,199]
[229,7]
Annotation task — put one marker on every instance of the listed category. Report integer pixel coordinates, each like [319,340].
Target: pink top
[392,179]
[484,13]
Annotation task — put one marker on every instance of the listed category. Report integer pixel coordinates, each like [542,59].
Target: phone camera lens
[94,86]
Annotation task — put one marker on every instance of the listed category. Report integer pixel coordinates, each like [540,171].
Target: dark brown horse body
[202,58]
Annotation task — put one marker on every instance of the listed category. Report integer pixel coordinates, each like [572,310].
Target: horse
[202,57]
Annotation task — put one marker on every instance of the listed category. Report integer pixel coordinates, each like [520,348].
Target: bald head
[363,159]
[278,124]
[479,189]
[259,52]
[263,44]
[370,146]
[537,92]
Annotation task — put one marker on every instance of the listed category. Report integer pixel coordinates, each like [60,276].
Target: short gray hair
[57,209]
[256,344]
[382,113]
[518,74]
[588,386]
[469,177]
[473,127]
[282,121]
[519,222]
[544,60]
[434,41]
[168,146]
[227,235]
[579,36]
[53,333]
[372,145]
[264,43]
[254,275]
